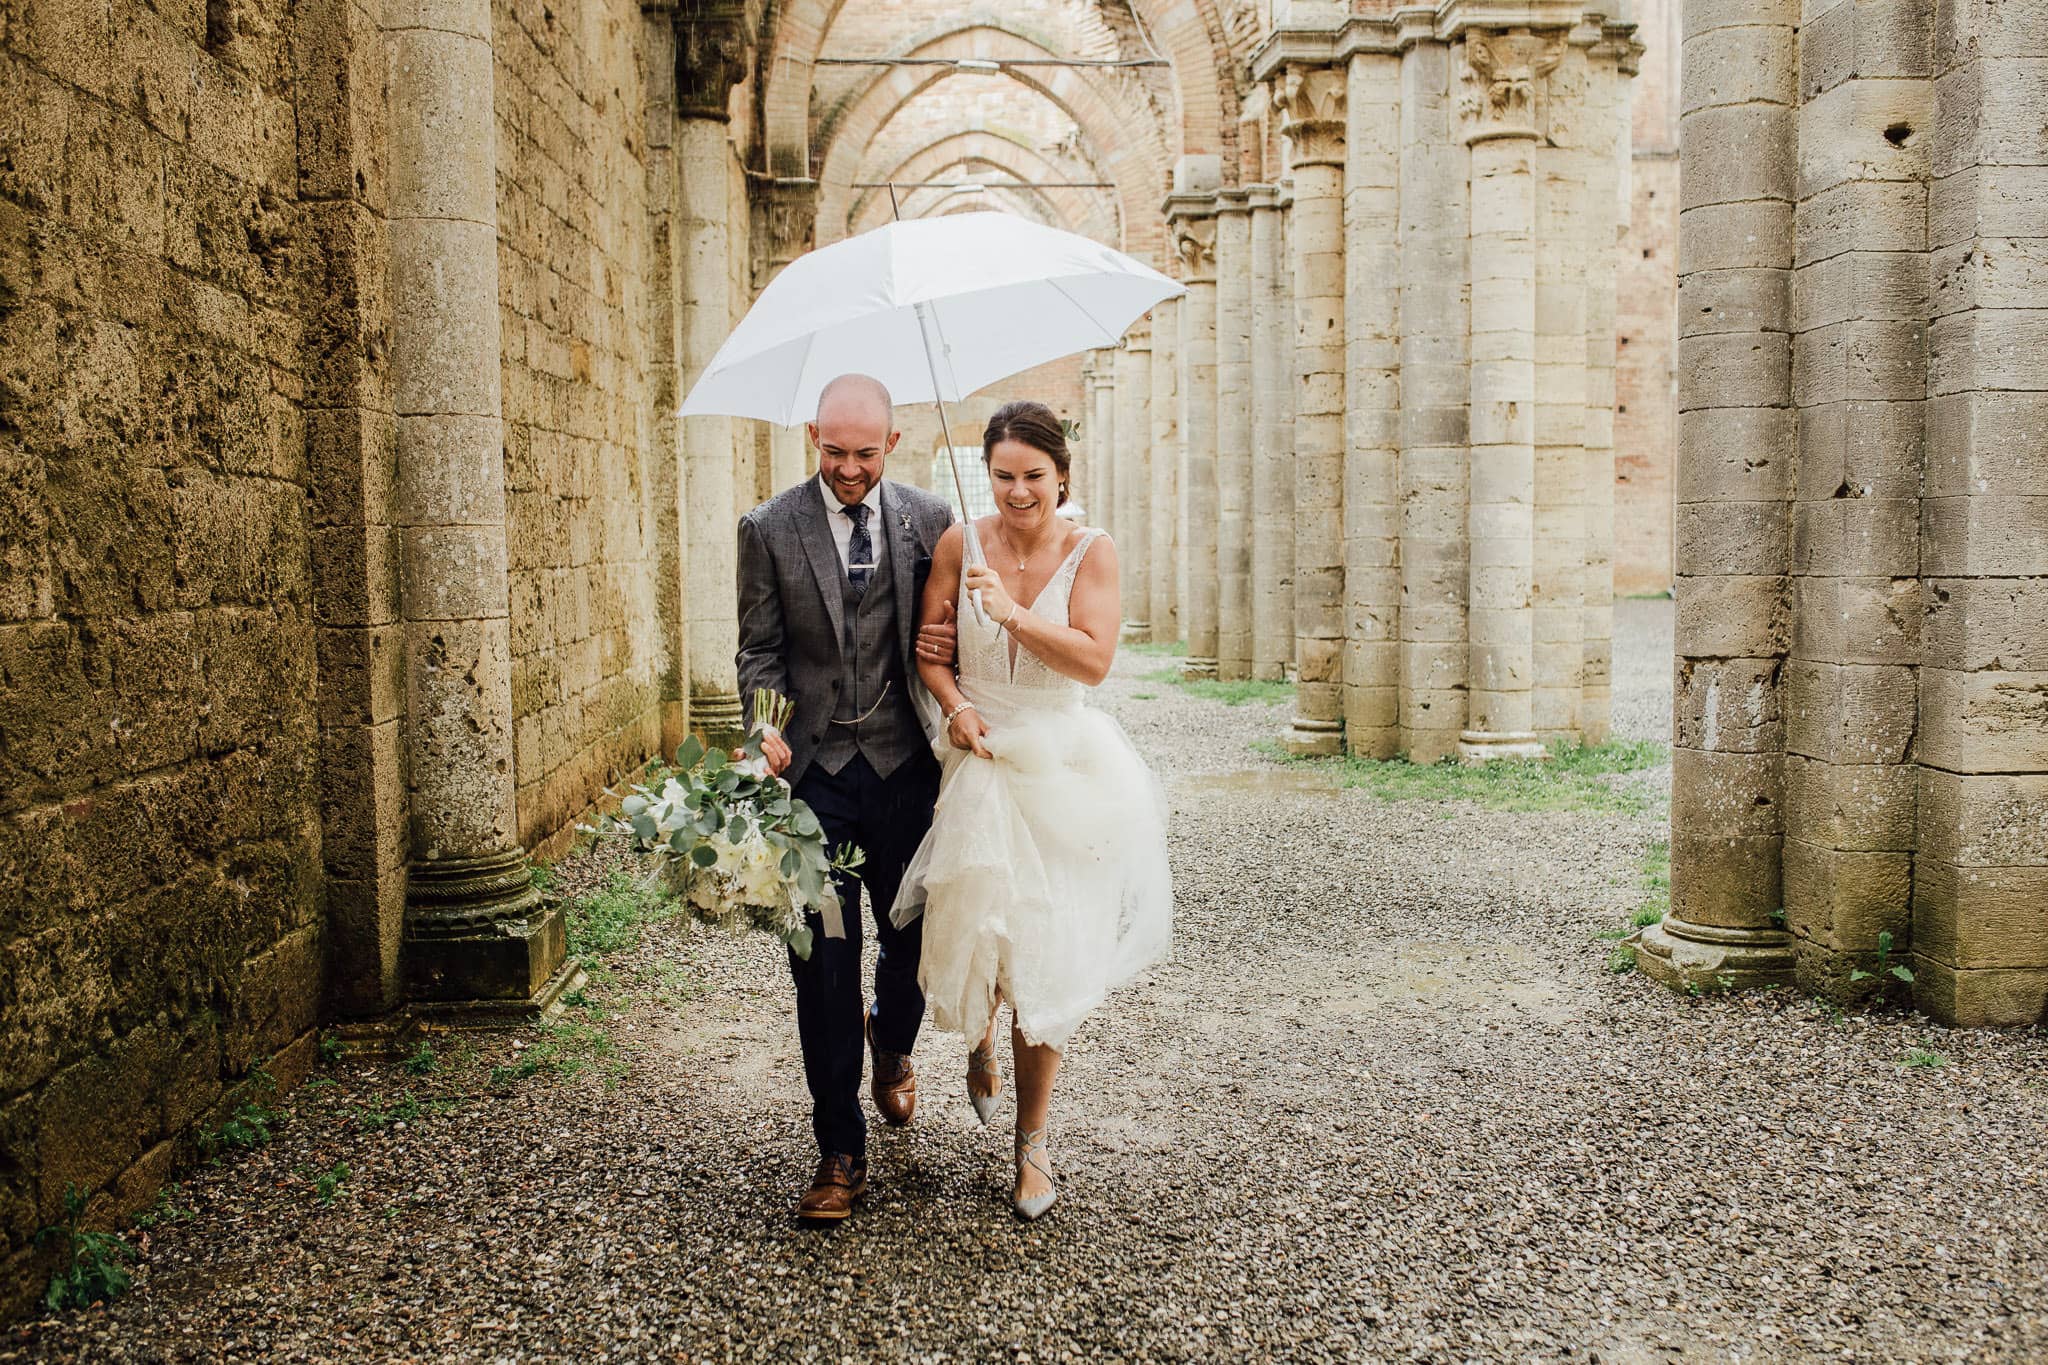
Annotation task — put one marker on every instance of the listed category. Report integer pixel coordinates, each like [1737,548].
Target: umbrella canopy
[963,300]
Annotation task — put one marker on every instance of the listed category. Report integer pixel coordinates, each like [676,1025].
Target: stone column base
[1486,746]
[1307,738]
[477,932]
[1194,668]
[718,718]
[1136,632]
[1699,956]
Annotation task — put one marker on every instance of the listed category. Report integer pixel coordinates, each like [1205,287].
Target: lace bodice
[985,650]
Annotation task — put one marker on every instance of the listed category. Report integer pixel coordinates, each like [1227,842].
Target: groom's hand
[939,642]
[774,748]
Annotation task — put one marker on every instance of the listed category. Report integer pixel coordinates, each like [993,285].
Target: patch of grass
[567,1047]
[609,919]
[1144,696]
[678,983]
[1235,693]
[377,1114]
[422,1062]
[93,1266]
[1575,777]
[248,1125]
[1622,959]
[1922,1058]
[1664,596]
[330,1049]
[1656,884]
[328,1184]
[166,1209]
[1176,649]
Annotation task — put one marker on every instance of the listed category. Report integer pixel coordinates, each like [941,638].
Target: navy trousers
[887,818]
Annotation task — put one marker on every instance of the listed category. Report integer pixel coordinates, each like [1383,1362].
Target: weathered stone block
[1860,537]
[1989,721]
[1736,454]
[1974,201]
[1860,448]
[1738,65]
[1985,535]
[1726,793]
[1732,617]
[1988,998]
[1849,713]
[1981,917]
[1986,442]
[1862,215]
[1860,359]
[1985,820]
[1730,882]
[1846,899]
[1736,153]
[1854,807]
[1978,623]
[1732,538]
[1997,348]
[1745,235]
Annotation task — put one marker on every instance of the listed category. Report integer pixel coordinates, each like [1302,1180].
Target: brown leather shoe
[893,1084]
[840,1180]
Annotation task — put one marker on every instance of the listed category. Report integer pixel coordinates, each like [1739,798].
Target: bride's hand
[994,600]
[965,730]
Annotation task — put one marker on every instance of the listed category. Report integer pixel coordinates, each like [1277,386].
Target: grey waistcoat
[888,734]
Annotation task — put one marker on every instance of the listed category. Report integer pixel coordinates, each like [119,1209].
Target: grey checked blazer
[792,608]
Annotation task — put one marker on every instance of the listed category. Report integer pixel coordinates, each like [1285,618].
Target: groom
[830,576]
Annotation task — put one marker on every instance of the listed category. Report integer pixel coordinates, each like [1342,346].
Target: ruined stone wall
[160,898]
[572,215]
[1860,776]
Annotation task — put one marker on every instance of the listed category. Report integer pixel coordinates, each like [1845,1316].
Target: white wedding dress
[1044,875]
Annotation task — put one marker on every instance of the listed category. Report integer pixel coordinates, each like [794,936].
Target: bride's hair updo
[1035,425]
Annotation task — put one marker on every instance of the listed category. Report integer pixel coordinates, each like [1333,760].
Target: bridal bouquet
[733,846]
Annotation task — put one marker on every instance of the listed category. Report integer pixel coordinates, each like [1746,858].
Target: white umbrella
[935,308]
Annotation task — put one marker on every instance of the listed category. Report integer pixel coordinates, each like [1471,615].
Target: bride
[1043,881]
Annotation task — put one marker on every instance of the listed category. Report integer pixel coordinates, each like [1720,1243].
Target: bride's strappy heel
[1031,1151]
[982,1062]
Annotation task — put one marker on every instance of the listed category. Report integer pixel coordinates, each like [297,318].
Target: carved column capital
[1311,104]
[1506,79]
[1194,240]
[714,53]
[784,226]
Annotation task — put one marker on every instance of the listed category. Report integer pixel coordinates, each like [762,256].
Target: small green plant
[1144,696]
[609,919]
[1885,966]
[93,1266]
[566,1048]
[330,1049]
[249,1124]
[328,1184]
[1575,777]
[422,1061]
[1923,1058]
[543,877]
[1622,959]
[165,1210]
[1829,1010]
[376,1114]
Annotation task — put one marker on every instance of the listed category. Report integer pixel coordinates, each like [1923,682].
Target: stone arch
[1119,149]
[1193,37]
[1081,211]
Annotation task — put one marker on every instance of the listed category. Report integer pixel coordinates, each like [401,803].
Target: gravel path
[1386,1102]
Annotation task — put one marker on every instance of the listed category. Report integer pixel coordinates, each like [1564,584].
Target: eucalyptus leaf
[714,760]
[692,750]
[736,831]
[703,855]
[633,805]
[800,942]
[792,862]
[645,828]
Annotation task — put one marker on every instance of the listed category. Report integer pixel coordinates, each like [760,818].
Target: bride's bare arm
[1084,649]
[941,589]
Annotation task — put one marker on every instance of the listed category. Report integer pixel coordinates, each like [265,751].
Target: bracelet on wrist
[963,706]
[1009,622]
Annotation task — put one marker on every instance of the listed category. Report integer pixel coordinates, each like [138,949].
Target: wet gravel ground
[1385,1103]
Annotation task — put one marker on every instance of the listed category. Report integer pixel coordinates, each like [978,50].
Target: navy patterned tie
[860,551]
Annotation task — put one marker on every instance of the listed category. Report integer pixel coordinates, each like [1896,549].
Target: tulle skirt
[1044,875]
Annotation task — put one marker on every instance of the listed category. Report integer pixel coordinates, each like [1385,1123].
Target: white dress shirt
[842,525]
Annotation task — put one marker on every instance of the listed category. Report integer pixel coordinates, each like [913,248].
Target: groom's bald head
[854,433]
[856,396]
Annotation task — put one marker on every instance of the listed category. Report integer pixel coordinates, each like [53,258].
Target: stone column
[667,486]
[1736,446]
[1082,451]
[1233,435]
[1193,223]
[711,58]
[1506,70]
[1860,378]
[475,929]
[1134,478]
[1980,940]
[1101,443]
[782,225]
[1311,100]
[1435,390]
[1609,139]
[1372,408]
[1558,532]
[1165,532]
[1272,516]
